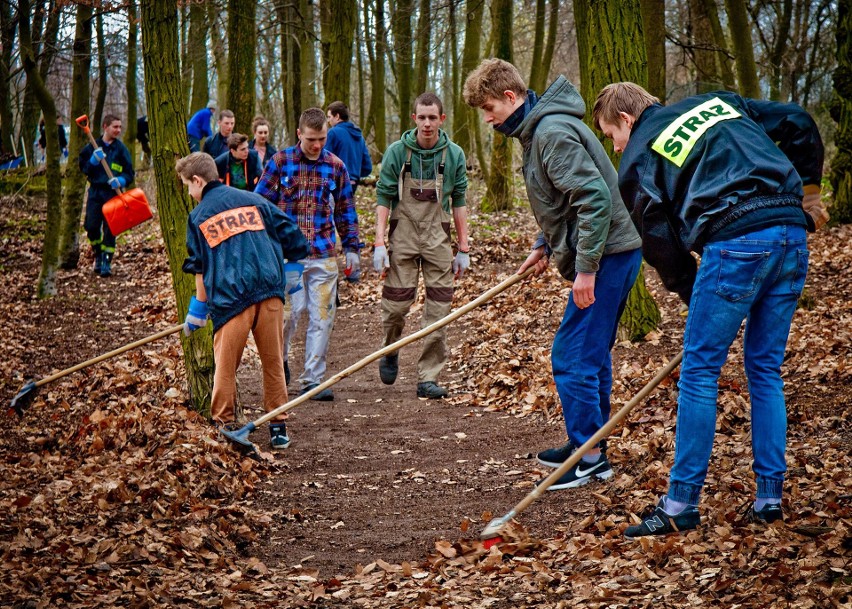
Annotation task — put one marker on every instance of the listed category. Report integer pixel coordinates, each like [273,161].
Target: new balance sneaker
[658,522]
[770,513]
[431,390]
[554,457]
[389,368]
[583,473]
[278,438]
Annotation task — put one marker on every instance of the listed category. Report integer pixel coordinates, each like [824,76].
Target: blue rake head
[22,400]
[240,436]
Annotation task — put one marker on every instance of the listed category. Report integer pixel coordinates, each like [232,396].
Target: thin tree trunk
[8,24]
[185,65]
[841,112]
[242,41]
[359,61]
[307,55]
[220,61]
[708,76]
[46,283]
[292,95]
[132,89]
[167,119]
[75,181]
[550,45]
[780,45]
[655,45]
[723,58]
[603,61]
[424,29]
[454,59]
[338,32]
[498,194]
[31,110]
[378,85]
[100,100]
[738,24]
[465,118]
[402,58]
[198,28]
[537,75]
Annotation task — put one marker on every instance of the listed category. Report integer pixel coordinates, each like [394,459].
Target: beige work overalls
[419,239]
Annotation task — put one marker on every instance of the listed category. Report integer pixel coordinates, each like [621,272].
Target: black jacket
[708,168]
[117,157]
[251,165]
[215,145]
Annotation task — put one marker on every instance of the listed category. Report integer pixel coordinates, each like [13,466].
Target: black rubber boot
[106,264]
[96,268]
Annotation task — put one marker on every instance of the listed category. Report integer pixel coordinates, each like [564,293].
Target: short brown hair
[625,97]
[314,118]
[428,99]
[198,164]
[108,120]
[235,140]
[226,114]
[339,109]
[257,122]
[490,80]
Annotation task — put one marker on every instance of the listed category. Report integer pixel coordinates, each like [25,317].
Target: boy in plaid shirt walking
[312,187]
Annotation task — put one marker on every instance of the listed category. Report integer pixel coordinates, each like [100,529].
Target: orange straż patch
[225,225]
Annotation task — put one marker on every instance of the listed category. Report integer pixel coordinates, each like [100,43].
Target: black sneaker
[389,368]
[582,473]
[554,457]
[326,395]
[770,513]
[431,390]
[657,522]
[278,438]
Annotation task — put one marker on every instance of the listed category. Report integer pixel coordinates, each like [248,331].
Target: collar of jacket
[210,186]
[508,126]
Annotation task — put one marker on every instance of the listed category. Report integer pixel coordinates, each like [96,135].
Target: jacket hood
[409,138]
[351,130]
[561,97]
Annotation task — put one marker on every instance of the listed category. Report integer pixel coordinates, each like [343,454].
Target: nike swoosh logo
[583,474]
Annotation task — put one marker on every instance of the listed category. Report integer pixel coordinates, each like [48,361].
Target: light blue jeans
[318,297]
[758,278]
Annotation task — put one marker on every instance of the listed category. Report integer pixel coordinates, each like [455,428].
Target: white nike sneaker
[583,473]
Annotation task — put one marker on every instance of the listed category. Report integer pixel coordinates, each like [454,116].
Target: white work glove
[461,263]
[380,259]
[812,204]
[353,267]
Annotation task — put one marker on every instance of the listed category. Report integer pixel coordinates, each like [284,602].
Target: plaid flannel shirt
[316,195]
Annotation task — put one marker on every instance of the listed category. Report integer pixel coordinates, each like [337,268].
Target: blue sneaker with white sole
[278,438]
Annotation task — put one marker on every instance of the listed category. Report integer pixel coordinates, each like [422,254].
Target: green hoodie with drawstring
[424,164]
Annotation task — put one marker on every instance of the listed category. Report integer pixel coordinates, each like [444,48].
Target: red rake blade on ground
[240,437]
[491,533]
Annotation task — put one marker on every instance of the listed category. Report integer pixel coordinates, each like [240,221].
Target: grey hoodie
[571,183]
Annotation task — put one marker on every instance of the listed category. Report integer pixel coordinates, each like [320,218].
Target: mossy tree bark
[740,28]
[603,60]
[30,110]
[401,21]
[338,35]
[75,180]
[46,283]
[378,118]
[498,194]
[841,112]
[198,29]
[242,42]
[130,83]
[167,119]
[464,117]
[654,26]
[100,100]
[424,29]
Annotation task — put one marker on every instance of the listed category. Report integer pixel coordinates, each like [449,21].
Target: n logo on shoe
[654,524]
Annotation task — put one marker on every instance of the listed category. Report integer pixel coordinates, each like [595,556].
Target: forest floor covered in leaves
[113,493]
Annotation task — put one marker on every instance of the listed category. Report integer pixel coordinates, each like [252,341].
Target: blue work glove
[196,317]
[293,277]
[97,156]
[353,267]
[380,258]
[117,183]
[461,263]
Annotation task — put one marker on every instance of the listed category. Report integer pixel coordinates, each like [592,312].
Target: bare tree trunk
[220,61]
[307,56]
[8,24]
[738,24]
[550,44]
[498,194]
[604,61]
[198,28]
[454,58]
[723,58]
[286,11]
[424,29]
[31,109]
[378,85]
[654,26]
[132,90]
[100,100]
[185,65]
[778,48]
[46,283]
[241,62]
[75,181]
[708,77]
[841,112]
[402,57]
[338,33]
[167,119]
[465,118]
[359,61]
[537,75]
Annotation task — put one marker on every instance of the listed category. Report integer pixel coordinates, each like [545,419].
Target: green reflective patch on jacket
[679,138]
[116,167]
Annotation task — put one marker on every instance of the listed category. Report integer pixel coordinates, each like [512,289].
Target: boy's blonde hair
[198,164]
[625,97]
[490,79]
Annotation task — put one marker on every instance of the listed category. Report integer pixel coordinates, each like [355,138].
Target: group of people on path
[731,180]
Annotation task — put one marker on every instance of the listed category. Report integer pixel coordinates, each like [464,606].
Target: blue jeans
[757,277]
[581,358]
